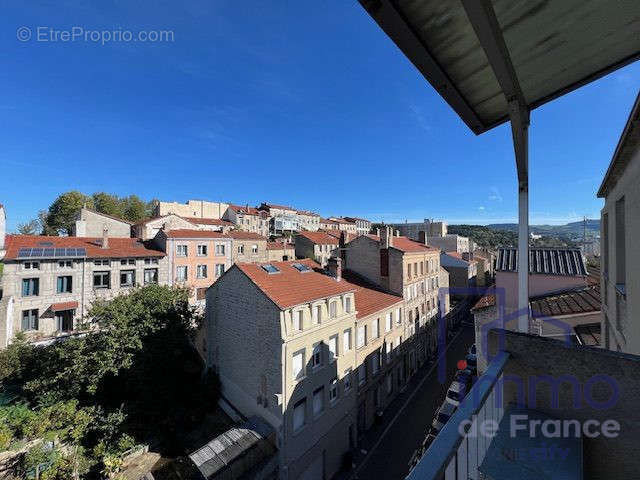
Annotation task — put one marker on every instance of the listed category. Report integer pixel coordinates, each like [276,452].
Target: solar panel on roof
[36,252]
[24,252]
[270,268]
[60,252]
[48,252]
[81,252]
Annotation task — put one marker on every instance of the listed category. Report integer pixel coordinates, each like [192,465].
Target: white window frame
[346,340]
[333,348]
[179,249]
[300,373]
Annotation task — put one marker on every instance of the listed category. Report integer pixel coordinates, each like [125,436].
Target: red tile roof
[240,235]
[279,246]
[188,233]
[407,245]
[320,238]
[459,256]
[290,287]
[208,221]
[348,236]
[368,298]
[308,213]
[246,210]
[341,220]
[488,300]
[279,207]
[118,247]
[58,307]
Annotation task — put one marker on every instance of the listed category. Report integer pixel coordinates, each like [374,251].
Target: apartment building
[486,265]
[192,208]
[280,251]
[412,229]
[90,223]
[328,225]
[344,225]
[50,282]
[309,221]
[318,246]
[148,229]
[451,243]
[282,219]
[296,369]
[363,226]
[248,247]
[196,258]
[462,268]
[619,226]
[248,218]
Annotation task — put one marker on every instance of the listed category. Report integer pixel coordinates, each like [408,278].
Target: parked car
[472,363]
[442,416]
[472,349]
[426,443]
[465,377]
[456,393]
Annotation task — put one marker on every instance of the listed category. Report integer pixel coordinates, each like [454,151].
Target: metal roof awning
[59,307]
[551,48]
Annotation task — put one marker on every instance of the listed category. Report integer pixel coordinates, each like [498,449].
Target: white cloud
[481,208]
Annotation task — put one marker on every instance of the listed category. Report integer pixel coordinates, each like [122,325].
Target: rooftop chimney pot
[105,237]
[334,267]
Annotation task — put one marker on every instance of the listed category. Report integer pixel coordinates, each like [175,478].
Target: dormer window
[301,267]
[270,269]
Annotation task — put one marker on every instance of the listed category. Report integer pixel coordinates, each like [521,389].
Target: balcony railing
[456,456]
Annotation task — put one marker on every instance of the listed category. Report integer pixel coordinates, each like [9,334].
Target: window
[150,275]
[31,265]
[318,401]
[347,304]
[202,250]
[150,261]
[127,278]
[30,287]
[362,373]
[375,363]
[201,271]
[219,269]
[398,316]
[375,328]
[316,357]
[64,320]
[346,380]
[254,248]
[181,250]
[389,352]
[317,314]
[409,270]
[298,365]
[29,319]
[333,309]
[421,268]
[102,262]
[361,338]
[132,261]
[101,279]
[240,249]
[333,390]
[201,293]
[346,340]
[64,284]
[299,409]
[333,348]
[181,273]
[298,319]
[65,264]
[220,249]
[388,320]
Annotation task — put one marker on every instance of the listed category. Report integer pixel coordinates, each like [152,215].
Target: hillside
[485,236]
[570,232]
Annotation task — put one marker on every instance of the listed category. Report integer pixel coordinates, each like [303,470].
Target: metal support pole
[520,129]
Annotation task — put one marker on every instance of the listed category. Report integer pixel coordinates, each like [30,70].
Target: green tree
[107,203]
[133,208]
[64,210]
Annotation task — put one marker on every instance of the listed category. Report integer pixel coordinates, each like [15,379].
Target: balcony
[537,409]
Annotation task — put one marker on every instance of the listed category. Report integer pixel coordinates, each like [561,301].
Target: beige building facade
[248,219]
[248,247]
[620,256]
[90,223]
[49,282]
[192,208]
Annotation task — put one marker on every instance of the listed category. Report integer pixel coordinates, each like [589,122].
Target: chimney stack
[422,237]
[378,232]
[334,267]
[397,233]
[105,237]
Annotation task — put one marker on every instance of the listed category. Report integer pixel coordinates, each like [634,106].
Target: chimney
[334,267]
[397,233]
[105,237]
[389,236]
[422,237]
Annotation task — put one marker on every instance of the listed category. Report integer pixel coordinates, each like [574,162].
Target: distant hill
[572,231]
[485,236]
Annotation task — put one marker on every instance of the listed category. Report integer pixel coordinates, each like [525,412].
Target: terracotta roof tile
[58,307]
[488,300]
[208,221]
[289,287]
[368,298]
[245,210]
[241,235]
[118,247]
[320,238]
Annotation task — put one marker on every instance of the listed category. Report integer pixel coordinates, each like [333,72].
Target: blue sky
[302,103]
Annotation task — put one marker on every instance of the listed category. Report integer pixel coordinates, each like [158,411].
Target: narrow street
[390,445]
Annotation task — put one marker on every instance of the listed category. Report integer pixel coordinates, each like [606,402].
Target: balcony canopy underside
[553,47]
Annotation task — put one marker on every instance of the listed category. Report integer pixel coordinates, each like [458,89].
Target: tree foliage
[136,377]
[485,236]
